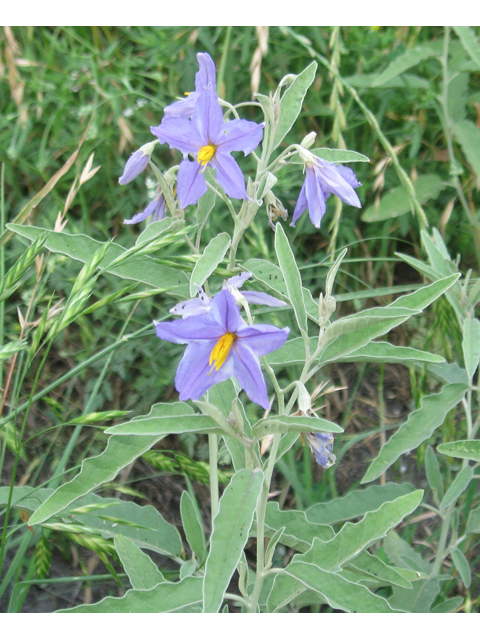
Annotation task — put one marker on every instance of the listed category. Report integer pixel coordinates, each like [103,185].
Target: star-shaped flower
[323,178]
[221,345]
[210,141]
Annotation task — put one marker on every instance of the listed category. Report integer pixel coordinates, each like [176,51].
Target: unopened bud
[308,140]
[137,162]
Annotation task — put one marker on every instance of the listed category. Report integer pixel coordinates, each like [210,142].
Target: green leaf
[405,61]
[386,352]
[338,592]
[298,532]
[467,135]
[339,156]
[292,101]
[421,298]
[471,345]
[167,597]
[293,424]
[140,568]
[448,606]
[434,477]
[419,427]
[356,503]
[405,81]
[400,553]
[458,486]
[353,538]
[160,426]
[291,274]
[119,453]
[231,527]
[81,247]
[193,527]
[473,524]
[469,449]
[469,40]
[144,526]
[397,201]
[205,205]
[284,589]
[212,256]
[369,566]
[418,599]
[462,566]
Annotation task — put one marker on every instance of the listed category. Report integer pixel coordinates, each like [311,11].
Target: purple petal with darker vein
[229,175]
[348,175]
[194,375]
[191,183]
[332,181]
[198,328]
[206,75]
[262,338]
[240,135]
[246,368]
[208,117]
[180,134]
[225,312]
[155,208]
[258,297]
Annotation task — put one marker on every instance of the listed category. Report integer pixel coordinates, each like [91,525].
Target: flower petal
[156,207]
[207,117]
[240,135]
[191,183]
[182,108]
[226,313]
[246,369]
[315,197]
[137,162]
[194,375]
[180,134]
[197,328]
[237,281]
[229,175]
[333,181]
[262,338]
[300,206]
[206,75]
[258,297]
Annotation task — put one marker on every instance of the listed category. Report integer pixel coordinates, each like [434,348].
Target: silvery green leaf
[291,275]
[458,486]
[192,527]
[213,254]
[434,477]
[142,572]
[462,566]
[467,449]
[471,345]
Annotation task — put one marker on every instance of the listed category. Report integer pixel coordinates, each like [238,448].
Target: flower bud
[137,162]
[308,140]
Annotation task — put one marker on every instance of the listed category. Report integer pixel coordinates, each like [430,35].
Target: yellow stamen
[206,153]
[221,350]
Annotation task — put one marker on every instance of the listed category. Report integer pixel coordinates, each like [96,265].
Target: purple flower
[210,141]
[199,306]
[137,162]
[156,209]
[221,345]
[205,77]
[323,178]
[322,445]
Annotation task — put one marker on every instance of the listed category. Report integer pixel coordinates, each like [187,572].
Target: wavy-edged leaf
[469,40]
[142,572]
[419,426]
[356,503]
[168,597]
[353,538]
[192,526]
[293,424]
[298,532]
[231,527]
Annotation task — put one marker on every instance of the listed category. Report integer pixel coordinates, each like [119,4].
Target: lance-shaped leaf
[163,425]
[81,247]
[469,449]
[419,426]
[471,345]
[458,486]
[142,572]
[192,526]
[231,527]
[389,353]
[213,254]
[168,597]
[119,453]
[373,568]
[338,592]
[467,134]
[291,275]
[405,61]
[469,40]
[298,532]
[291,102]
[356,503]
[293,424]
[336,156]
[352,538]
[418,598]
